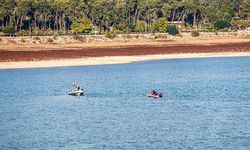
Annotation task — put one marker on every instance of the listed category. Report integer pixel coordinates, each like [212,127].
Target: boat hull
[76,93]
[155,96]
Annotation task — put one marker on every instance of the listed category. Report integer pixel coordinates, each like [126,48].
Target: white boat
[76,93]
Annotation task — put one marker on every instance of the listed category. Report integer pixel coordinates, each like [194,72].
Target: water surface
[207,106]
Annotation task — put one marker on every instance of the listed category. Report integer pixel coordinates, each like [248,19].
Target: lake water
[206,106]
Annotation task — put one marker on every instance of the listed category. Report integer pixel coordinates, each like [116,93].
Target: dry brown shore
[49,55]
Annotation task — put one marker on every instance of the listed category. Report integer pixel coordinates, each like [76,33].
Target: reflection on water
[207,106]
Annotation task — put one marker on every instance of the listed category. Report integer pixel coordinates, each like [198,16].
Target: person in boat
[77,87]
[154,92]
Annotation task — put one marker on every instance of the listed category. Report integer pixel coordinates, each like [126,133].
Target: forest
[45,17]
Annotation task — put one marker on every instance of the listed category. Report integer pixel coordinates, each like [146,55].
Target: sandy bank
[123,44]
[84,54]
[112,60]
[132,50]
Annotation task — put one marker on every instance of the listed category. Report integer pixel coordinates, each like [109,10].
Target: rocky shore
[35,40]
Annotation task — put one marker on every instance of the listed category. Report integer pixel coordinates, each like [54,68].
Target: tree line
[124,16]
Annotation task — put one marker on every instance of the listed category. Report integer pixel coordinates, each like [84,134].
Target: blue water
[207,106]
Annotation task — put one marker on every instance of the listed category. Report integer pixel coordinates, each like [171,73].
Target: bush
[9,30]
[49,32]
[124,28]
[130,36]
[23,40]
[161,25]
[55,37]
[1,34]
[110,35]
[50,40]
[179,35]
[79,38]
[36,38]
[23,33]
[62,32]
[120,28]
[210,29]
[140,26]
[243,23]
[36,32]
[83,25]
[68,32]
[222,24]
[160,36]
[127,36]
[172,30]
[131,28]
[137,36]
[195,34]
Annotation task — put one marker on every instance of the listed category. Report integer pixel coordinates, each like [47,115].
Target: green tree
[245,8]
[80,9]
[83,25]
[140,26]
[166,9]
[101,13]
[149,11]
[160,25]
[39,16]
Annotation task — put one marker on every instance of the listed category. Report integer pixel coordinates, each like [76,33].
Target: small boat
[154,94]
[76,93]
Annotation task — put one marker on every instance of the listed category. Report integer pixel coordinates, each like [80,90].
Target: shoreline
[119,52]
[123,44]
[70,52]
[110,60]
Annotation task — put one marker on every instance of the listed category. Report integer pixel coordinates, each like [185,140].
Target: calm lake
[206,106]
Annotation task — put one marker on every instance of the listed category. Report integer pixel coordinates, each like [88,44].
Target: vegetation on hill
[46,17]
